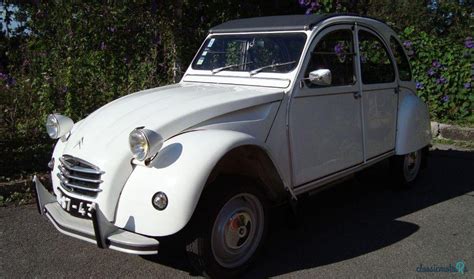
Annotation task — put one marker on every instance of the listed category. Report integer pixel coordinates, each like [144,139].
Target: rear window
[403,66]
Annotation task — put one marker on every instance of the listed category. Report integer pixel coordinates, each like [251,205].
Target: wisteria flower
[407,44]
[419,85]
[469,43]
[102,46]
[467,85]
[445,98]
[431,72]
[3,76]
[441,80]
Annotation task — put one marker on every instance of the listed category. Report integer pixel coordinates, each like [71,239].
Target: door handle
[357,95]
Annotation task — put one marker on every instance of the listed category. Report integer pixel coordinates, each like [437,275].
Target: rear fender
[413,125]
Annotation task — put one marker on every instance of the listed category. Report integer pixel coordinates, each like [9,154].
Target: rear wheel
[228,230]
[406,168]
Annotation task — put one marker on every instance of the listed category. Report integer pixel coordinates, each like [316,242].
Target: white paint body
[308,134]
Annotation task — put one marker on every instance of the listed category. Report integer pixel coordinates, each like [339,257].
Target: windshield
[278,53]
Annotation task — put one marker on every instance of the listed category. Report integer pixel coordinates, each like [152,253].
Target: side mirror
[320,77]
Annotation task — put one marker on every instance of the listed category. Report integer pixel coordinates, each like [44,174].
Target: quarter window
[335,52]
[375,61]
[402,62]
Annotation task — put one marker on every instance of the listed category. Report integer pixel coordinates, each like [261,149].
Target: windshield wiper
[216,70]
[253,72]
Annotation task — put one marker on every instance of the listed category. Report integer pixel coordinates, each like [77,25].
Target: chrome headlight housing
[144,143]
[58,125]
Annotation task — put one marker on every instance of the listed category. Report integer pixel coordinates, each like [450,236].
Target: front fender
[413,125]
[180,170]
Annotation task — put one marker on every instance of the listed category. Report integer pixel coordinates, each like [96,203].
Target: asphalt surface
[361,228]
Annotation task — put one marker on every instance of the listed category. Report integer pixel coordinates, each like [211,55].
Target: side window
[402,62]
[375,61]
[335,52]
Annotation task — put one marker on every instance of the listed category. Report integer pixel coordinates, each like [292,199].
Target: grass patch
[457,143]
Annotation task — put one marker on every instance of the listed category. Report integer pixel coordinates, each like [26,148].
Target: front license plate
[75,207]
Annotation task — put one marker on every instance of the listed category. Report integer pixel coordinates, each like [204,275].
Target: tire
[228,230]
[405,169]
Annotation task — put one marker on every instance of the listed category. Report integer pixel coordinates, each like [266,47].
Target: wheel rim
[237,230]
[411,165]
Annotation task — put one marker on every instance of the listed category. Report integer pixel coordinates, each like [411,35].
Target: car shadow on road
[355,217]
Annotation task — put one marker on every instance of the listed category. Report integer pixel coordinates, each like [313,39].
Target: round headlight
[139,144]
[58,125]
[144,143]
[52,126]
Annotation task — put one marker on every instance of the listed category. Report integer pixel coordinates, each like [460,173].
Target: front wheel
[231,226]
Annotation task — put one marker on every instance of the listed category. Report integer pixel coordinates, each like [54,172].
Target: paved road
[362,228]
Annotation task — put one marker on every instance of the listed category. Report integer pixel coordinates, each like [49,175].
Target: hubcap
[411,165]
[237,230]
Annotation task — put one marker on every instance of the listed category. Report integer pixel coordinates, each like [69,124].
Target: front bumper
[98,230]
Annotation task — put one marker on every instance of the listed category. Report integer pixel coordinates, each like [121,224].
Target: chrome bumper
[98,230]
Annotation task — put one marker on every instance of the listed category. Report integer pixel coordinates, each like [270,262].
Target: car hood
[167,110]
[102,138]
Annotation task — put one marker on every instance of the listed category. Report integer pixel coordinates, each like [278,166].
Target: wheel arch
[252,163]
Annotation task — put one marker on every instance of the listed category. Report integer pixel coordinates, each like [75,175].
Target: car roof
[275,23]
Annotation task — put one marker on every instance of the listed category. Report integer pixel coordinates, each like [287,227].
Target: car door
[379,93]
[325,126]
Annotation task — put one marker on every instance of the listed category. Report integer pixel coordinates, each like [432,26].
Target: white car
[270,108]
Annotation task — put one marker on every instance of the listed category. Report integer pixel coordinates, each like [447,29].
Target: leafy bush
[442,70]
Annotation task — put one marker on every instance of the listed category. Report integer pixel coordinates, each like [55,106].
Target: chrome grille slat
[79,169]
[66,174]
[67,183]
[79,176]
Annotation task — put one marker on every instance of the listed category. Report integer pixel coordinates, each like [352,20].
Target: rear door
[379,93]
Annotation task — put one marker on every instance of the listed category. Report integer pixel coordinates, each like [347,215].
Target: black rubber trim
[38,206]
[101,243]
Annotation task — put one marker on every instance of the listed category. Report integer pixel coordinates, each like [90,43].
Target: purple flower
[468,43]
[431,72]
[441,80]
[11,81]
[111,29]
[64,89]
[467,85]
[407,44]
[436,64]
[102,46]
[445,98]
[419,85]
[3,76]
[338,48]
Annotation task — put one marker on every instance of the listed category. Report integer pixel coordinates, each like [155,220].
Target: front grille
[79,176]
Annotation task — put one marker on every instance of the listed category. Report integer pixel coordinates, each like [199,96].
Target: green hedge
[443,70]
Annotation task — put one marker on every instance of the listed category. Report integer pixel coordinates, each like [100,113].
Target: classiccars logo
[458,267]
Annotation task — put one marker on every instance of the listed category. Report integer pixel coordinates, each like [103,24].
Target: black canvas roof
[271,23]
